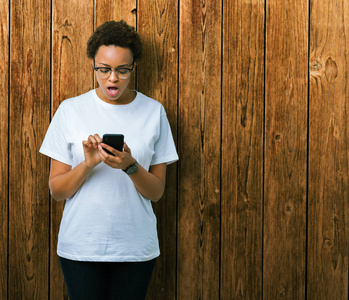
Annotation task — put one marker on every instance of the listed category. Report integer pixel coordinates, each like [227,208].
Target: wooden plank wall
[256,92]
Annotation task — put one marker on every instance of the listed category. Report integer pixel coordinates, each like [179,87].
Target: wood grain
[29,116]
[269,221]
[328,154]
[157,78]
[116,10]
[285,150]
[199,150]
[242,150]
[4,94]
[72,75]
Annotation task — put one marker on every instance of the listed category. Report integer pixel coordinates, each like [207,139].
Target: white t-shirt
[108,219]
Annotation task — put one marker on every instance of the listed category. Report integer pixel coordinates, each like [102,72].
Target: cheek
[126,81]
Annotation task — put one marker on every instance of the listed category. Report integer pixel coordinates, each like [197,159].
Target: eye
[104,70]
[123,71]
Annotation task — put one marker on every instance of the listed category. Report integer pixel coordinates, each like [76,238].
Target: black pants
[107,280]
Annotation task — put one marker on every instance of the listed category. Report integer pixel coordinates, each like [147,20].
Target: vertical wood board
[4,96]
[199,150]
[329,149]
[242,150]
[29,115]
[285,162]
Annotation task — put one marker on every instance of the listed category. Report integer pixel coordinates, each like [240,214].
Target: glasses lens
[123,76]
[105,73]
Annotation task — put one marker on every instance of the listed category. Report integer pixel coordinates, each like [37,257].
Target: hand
[91,151]
[121,160]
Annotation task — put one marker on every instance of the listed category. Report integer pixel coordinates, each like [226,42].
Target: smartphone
[113,140]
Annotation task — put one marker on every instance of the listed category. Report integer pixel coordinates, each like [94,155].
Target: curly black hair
[118,34]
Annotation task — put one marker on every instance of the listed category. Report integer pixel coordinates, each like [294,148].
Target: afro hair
[118,34]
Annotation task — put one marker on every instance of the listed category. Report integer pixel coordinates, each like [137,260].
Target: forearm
[65,185]
[149,185]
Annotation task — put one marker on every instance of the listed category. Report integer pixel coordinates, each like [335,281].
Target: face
[114,90]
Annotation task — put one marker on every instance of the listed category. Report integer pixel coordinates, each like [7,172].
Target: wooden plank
[72,75]
[285,150]
[29,115]
[117,10]
[242,149]
[328,151]
[157,78]
[199,129]
[4,93]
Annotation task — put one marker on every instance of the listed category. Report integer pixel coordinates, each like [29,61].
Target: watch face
[131,170]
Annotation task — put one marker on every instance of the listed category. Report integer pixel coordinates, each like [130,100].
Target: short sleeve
[165,149]
[55,144]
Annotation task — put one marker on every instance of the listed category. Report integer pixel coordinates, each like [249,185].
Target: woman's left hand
[121,160]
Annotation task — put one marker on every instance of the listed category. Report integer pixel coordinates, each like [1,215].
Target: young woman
[107,242]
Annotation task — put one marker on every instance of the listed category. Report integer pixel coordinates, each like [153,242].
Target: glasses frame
[115,70]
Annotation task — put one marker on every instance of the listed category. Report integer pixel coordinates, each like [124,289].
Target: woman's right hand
[92,157]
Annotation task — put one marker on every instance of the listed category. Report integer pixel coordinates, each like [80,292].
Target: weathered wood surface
[29,116]
[4,154]
[242,150]
[285,183]
[157,78]
[328,151]
[199,150]
[256,94]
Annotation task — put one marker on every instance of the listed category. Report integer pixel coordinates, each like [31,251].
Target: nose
[113,76]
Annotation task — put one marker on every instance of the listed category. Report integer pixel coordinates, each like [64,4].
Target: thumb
[126,148]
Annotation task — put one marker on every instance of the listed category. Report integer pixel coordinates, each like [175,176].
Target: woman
[107,242]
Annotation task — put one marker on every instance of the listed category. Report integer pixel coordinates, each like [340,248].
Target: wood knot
[331,69]
[316,65]
[327,244]
[288,208]
[328,68]
[30,58]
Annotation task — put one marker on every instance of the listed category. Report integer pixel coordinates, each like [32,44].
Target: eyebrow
[121,66]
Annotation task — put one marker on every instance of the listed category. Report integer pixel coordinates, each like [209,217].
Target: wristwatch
[132,169]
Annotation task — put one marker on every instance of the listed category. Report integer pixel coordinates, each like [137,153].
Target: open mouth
[113,91]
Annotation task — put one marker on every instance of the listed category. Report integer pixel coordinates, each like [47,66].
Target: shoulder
[76,102]
[150,104]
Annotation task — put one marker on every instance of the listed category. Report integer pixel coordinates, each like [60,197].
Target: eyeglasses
[105,72]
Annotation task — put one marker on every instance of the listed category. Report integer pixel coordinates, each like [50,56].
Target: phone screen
[113,140]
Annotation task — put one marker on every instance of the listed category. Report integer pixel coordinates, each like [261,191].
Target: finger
[111,149]
[98,138]
[108,159]
[102,151]
[103,155]
[91,139]
[103,147]
[86,144]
